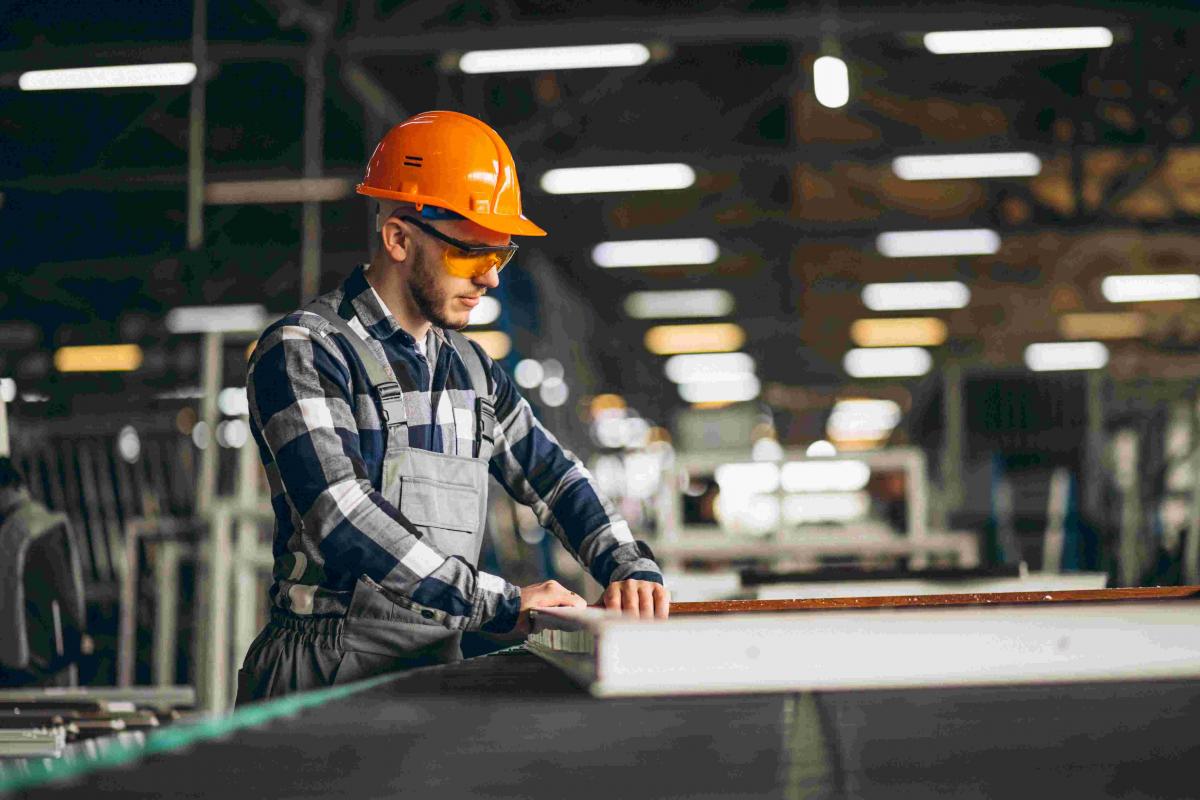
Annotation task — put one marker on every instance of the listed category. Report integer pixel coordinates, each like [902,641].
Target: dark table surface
[510,726]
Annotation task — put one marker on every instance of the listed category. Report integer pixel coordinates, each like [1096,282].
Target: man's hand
[642,599]
[550,594]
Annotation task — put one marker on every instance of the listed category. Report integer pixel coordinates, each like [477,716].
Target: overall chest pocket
[448,513]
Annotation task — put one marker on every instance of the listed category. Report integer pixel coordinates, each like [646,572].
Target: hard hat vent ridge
[413,161]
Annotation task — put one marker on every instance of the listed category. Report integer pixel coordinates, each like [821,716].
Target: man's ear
[394,240]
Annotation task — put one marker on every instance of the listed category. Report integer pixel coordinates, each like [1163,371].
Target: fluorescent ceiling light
[714,337]
[708,367]
[249,318]
[532,59]
[287,190]
[1146,288]
[734,390]
[1016,40]
[915,296]
[682,303]
[98,358]
[824,476]
[760,477]
[887,362]
[631,178]
[861,419]
[655,252]
[8,390]
[174,74]
[1116,325]
[897,332]
[825,507]
[1055,356]
[487,312]
[831,82]
[916,244]
[967,165]
[496,344]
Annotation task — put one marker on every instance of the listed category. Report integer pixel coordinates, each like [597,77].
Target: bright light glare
[129,444]
[825,507]
[248,318]
[899,331]
[709,367]
[487,312]
[1147,288]
[967,165]
[887,362]
[821,449]
[862,419]
[530,59]
[678,304]
[1056,356]
[917,244]
[824,476]
[831,81]
[1017,40]
[630,178]
[736,390]
[8,390]
[118,77]
[98,358]
[760,477]
[529,373]
[496,344]
[232,401]
[655,252]
[715,337]
[554,392]
[915,296]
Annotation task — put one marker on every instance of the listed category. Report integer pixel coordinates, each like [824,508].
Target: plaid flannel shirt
[320,435]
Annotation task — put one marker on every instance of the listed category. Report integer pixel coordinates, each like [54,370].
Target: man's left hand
[641,599]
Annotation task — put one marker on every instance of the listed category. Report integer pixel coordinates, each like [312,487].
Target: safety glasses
[468,260]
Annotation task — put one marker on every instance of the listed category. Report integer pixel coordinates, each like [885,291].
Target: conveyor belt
[509,726]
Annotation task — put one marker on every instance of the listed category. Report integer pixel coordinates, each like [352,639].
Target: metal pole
[952,447]
[4,446]
[195,187]
[314,146]
[1191,545]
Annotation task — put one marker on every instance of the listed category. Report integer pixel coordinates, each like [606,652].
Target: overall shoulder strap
[481,383]
[391,398]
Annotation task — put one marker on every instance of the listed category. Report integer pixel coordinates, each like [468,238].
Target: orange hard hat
[452,161]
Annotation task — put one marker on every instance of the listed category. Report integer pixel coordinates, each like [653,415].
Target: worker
[378,424]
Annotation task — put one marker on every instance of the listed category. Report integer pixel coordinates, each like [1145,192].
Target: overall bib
[444,497]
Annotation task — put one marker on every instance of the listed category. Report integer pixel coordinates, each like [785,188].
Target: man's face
[442,298]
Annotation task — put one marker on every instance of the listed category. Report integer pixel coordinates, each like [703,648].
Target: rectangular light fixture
[887,362]
[487,312]
[862,418]
[1057,356]
[831,82]
[734,390]
[918,244]
[747,479]
[655,252]
[288,190]
[1013,40]
[800,509]
[537,59]
[248,318]
[98,358]
[680,303]
[713,337]
[8,390]
[898,332]
[708,367]
[966,165]
[630,178]
[117,77]
[1147,288]
[1117,325]
[915,296]
[824,476]
[496,344]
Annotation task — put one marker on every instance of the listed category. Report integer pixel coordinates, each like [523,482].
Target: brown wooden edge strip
[921,601]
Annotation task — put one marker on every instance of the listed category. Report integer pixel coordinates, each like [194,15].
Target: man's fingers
[629,599]
[646,599]
[662,601]
[612,598]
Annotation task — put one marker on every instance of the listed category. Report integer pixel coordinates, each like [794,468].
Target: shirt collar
[374,313]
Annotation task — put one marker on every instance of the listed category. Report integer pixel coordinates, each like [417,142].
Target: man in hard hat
[378,423]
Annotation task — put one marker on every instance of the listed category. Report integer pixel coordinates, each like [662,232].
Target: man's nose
[490,279]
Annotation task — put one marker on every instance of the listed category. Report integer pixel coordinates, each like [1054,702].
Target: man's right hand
[550,594]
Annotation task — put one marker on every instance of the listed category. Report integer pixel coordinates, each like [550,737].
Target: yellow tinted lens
[473,265]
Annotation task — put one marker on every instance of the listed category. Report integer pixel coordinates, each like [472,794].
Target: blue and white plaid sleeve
[299,387]
[537,471]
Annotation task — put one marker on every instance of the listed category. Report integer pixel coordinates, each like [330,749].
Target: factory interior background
[831,290]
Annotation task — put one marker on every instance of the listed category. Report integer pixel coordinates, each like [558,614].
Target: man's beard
[429,299]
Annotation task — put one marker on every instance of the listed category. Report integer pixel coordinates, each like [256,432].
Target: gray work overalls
[443,497]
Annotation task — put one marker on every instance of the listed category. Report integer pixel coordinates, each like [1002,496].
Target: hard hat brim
[514,225]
